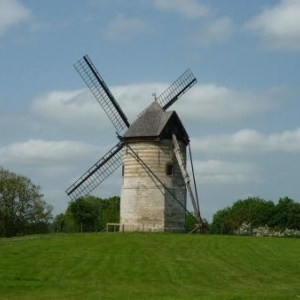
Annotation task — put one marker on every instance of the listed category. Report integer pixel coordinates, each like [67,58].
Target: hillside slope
[149,266]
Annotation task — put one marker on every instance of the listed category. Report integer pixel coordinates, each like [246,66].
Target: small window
[123,170]
[169,169]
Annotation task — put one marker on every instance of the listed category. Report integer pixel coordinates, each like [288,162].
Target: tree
[253,210]
[110,211]
[191,223]
[22,208]
[256,212]
[85,212]
[286,214]
[88,214]
[222,222]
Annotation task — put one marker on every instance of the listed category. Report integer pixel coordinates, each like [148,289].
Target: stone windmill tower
[152,152]
[151,171]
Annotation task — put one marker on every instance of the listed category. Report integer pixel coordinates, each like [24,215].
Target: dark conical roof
[155,122]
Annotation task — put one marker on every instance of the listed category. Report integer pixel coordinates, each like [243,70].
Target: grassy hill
[149,266]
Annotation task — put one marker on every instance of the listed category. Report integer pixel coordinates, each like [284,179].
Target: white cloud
[206,102]
[210,102]
[134,98]
[278,26]
[250,141]
[222,172]
[38,151]
[12,12]
[124,28]
[187,8]
[214,32]
[54,165]
[76,108]
[80,108]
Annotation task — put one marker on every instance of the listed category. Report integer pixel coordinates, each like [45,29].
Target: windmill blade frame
[95,175]
[176,89]
[103,95]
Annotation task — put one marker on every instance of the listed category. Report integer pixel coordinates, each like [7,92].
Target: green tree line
[257,212]
[88,214]
[22,207]
[24,211]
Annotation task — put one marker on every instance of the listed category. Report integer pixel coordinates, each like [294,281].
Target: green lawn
[149,266]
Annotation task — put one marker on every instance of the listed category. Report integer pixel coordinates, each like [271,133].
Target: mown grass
[149,266]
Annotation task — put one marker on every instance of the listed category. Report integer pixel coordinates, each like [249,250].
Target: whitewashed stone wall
[145,203]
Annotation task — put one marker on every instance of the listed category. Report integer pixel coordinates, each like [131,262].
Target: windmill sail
[98,87]
[176,89]
[97,173]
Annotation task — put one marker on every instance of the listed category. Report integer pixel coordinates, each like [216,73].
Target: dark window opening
[123,170]
[169,169]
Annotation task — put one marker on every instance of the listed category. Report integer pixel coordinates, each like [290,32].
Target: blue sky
[242,115]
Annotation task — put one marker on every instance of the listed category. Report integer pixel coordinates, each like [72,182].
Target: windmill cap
[155,123]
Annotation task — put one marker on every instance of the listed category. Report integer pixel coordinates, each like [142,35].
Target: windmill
[152,152]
